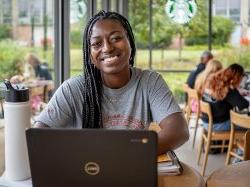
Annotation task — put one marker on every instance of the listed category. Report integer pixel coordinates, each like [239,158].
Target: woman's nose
[107,46]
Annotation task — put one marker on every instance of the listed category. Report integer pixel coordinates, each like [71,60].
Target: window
[234,10]
[5,12]
[20,36]
[78,17]
[220,7]
[248,11]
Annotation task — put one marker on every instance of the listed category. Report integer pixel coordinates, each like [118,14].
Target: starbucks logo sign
[181,11]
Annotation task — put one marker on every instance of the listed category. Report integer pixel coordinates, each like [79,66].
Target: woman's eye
[116,38]
[96,44]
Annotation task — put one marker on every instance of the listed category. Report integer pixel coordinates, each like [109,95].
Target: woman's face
[109,47]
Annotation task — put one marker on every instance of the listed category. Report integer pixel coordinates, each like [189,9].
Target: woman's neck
[116,81]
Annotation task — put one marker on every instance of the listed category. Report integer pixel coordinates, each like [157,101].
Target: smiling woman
[112,94]
[110,52]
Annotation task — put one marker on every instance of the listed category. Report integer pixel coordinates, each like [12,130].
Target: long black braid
[92,110]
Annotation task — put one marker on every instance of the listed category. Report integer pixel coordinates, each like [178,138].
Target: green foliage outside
[235,55]
[195,32]
[5,31]
[11,62]
[12,58]
[222,29]
[76,33]
[75,39]
[164,30]
[139,19]
[175,82]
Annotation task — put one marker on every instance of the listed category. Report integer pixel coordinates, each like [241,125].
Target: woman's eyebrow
[113,32]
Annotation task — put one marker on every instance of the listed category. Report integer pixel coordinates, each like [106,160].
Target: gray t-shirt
[144,99]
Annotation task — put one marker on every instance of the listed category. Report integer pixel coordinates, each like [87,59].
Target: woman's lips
[110,60]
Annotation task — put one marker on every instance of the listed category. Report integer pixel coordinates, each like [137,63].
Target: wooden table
[236,175]
[40,87]
[189,178]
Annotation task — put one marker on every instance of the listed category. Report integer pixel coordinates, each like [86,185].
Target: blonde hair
[212,67]
[32,59]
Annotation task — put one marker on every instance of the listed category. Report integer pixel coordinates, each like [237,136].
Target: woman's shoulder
[150,79]
[146,74]
[76,82]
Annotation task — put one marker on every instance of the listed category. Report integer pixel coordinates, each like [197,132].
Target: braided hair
[92,110]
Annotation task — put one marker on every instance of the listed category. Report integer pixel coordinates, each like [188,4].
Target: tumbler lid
[16,93]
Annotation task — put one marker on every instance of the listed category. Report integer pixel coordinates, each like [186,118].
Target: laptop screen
[96,158]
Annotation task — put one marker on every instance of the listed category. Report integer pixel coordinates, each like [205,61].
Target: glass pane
[99,5]
[221,12]
[234,10]
[78,17]
[220,3]
[138,17]
[234,4]
[220,7]
[172,51]
[27,48]
[27,41]
[113,6]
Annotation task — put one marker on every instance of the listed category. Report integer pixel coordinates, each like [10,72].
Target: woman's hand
[38,124]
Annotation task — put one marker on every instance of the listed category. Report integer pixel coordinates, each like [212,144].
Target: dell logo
[137,140]
[92,168]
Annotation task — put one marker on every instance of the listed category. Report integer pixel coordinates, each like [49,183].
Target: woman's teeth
[110,59]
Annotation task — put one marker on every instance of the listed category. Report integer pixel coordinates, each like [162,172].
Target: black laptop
[92,158]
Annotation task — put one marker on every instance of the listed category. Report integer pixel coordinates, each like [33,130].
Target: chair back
[206,109]
[247,146]
[210,135]
[185,87]
[193,96]
[239,119]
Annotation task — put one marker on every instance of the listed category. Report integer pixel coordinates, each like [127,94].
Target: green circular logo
[181,11]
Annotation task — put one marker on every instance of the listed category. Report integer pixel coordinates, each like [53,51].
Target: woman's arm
[174,133]
[39,124]
[236,100]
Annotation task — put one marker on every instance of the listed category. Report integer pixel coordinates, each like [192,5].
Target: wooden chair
[242,143]
[49,87]
[209,135]
[185,89]
[193,96]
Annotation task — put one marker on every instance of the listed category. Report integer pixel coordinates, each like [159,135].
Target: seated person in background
[40,69]
[212,67]
[33,69]
[112,94]
[205,57]
[222,94]
[243,88]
